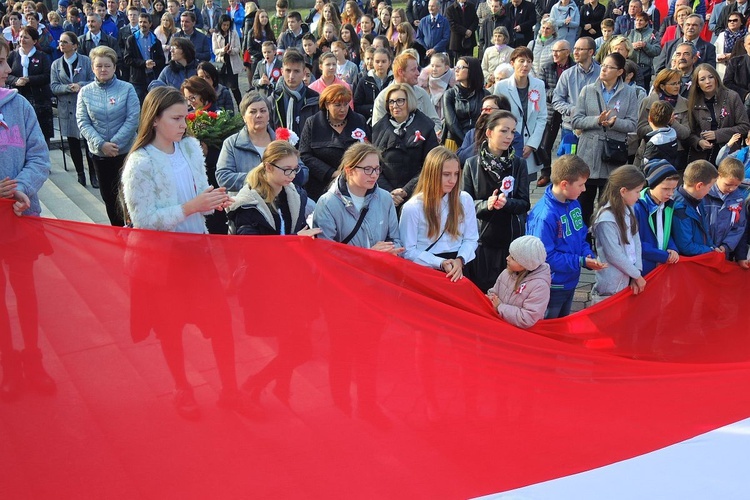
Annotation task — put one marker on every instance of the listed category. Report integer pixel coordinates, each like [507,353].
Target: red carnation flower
[213,114]
[191,116]
[282,134]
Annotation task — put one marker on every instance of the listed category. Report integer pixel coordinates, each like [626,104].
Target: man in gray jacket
[572,80]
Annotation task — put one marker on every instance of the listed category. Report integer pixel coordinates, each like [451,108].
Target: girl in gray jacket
[616,232]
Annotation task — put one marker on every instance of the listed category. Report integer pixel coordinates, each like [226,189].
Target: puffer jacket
[108,112]
[174,74]
[250,215]
[526,304]
[337,216]
[499,227]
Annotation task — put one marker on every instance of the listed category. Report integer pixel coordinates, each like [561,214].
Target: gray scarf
[294,96]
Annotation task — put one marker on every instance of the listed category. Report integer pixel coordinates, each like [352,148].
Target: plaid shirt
[550,75]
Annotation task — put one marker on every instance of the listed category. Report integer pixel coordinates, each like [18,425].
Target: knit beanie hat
[658,170]
[528,251]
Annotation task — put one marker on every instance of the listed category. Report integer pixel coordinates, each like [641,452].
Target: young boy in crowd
[608,28]
[690,225]
[727,212]
[661,142]
[654,211]
[557,220]
[268,71]
[278,20]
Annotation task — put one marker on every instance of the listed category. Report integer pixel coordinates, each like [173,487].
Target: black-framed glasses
[397,102]
[289,172]
[371,170]
[460,68]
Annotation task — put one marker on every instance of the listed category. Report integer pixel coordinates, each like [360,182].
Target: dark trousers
[109,170]
[548,141]
[560,303]
[594,191]
[231,81]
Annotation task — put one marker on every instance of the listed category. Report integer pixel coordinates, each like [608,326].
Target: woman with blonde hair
[164,33]
[165,188]
[438,224]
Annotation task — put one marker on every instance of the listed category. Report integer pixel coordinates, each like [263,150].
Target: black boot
[82,179]
[37,378]
[12,384]
[94,180]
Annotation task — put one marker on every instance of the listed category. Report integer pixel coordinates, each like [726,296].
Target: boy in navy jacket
[690,225]
[558,221]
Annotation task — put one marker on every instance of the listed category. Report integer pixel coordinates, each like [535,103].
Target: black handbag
[615,152]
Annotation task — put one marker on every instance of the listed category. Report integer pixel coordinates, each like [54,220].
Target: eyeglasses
[64,42]
[460,68]
[289,172]
[613,68]
[489,109]
[673,83]
[397,102]
[734,20]
[371,170]
[578,49]
[192,98]
[558,51]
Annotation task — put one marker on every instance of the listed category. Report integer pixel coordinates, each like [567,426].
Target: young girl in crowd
[498,181]
[438,224]
[521,292]
[616,233]
[165,188]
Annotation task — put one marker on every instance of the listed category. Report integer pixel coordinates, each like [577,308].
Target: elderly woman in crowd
[69,74]
[405,136]
[607,109]
[327,134]
[541,47]
[716,114]
[107,116]
[727,39]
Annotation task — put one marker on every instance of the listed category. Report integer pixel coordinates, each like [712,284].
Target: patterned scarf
[496,166]
[293,97]
[731,38]
[400,128]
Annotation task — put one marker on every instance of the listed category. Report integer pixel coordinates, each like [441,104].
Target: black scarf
[497,167]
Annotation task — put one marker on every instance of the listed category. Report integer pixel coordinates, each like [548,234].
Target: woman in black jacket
[462,103]
[30,74]
[370,86]
[327,134]
[405,135]
[498,181]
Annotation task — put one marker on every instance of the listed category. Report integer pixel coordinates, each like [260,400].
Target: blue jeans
[560,302]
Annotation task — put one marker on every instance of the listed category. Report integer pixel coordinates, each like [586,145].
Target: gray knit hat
[657,170]
[528,251]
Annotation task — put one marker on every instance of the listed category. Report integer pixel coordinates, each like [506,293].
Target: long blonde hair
[256,179]
[430,186]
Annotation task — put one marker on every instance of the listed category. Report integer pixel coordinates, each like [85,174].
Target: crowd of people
[417,132]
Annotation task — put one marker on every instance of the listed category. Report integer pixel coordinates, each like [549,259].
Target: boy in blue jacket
[654,212]
[727,212]
[690,225]
[558,221]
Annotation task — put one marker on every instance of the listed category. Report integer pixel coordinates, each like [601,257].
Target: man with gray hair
[626,22]
[96,37]
[561,61]
[691,28]
[684,59]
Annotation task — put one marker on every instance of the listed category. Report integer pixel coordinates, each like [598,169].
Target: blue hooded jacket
[690,226]
[727,220]
[561,228]
[653,252]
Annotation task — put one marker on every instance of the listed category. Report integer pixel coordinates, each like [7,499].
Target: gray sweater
[623,263]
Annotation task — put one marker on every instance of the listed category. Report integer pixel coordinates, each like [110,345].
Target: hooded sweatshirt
[25,156]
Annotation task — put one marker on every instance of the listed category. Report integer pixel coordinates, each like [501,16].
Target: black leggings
[231,81]
[75,153]
[108,170]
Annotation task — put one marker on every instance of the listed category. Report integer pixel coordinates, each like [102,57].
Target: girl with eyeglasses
[462,104]
[405,135]
[355,195]
[165,188]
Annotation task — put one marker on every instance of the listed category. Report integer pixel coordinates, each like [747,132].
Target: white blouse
[413,229]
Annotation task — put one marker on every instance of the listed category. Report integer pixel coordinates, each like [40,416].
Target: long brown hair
[696,93]
[629,177]
[430,186]
[154,105]
[259,30]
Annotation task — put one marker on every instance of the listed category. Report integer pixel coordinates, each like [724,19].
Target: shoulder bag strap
[361,219]
[599,103]
[434,242]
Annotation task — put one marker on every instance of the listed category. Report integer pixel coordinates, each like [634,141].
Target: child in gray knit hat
[521,292]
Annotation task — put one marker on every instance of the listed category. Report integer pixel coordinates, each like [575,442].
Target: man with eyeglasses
[692,28]
[561,61]
[570,83]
